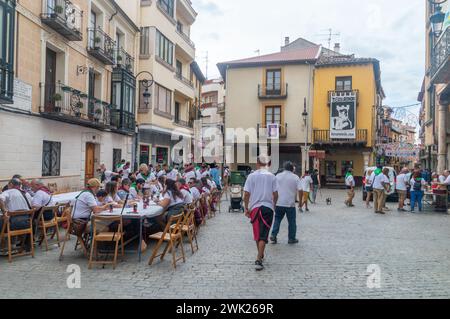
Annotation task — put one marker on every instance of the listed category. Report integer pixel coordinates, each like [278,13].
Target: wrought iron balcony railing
[273,91]
[124,60]
[124,121]
[101,46]
[184,80]
[68,104]
[440,60]
[186,38]
[282,129]
[345,93]
[323,137]
[63,17]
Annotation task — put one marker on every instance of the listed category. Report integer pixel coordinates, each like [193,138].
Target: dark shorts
[262,219]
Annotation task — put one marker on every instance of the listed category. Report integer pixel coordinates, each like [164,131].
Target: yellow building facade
[347,93]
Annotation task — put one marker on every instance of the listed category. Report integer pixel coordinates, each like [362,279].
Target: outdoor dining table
[65,198]
[151,211]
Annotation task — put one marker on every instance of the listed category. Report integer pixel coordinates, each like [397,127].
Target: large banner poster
[343,115]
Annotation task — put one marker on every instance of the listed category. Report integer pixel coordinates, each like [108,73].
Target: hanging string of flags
[402,150]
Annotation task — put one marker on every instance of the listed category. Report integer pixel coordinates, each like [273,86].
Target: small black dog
[329,201]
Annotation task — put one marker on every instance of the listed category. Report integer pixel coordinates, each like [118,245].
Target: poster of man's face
[343,116]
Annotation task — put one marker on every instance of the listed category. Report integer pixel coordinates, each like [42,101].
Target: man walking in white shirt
[380,185]
[289,185]
[350,185]
[260,198]
[401,187]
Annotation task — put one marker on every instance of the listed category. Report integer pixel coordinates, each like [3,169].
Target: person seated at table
[206,187]
[101,197]
[42,197]
[86,204]
[126,190]
[113,198]
[185,190]
[118,180]
[137,188]
[172,202]
[15,199]
[193,188]
[145,174]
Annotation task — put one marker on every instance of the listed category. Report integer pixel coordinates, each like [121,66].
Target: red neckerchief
[185,187]
[45,189]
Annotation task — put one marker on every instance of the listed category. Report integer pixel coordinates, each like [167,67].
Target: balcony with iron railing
[101,46]
[184,80]
[122,120]
[273,91]
[440,59]
[323,137]
[343,94]
[63,17]
[64,103]
[124,60]
[282,129]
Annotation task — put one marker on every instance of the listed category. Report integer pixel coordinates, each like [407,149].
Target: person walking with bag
[260,198]
[289,185]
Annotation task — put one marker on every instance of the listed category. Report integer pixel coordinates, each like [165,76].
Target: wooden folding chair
[72,231]
[173,236]
[9,233]
[211,211]
[101,236]
[44,224]
[189,228]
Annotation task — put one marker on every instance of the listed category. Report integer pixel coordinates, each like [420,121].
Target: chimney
[337,47]
[286,41]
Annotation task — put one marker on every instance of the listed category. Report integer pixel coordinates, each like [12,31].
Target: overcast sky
[391,31]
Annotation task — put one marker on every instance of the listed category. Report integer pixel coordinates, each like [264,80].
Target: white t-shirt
[41,199]
[205,173]
[161,173]
[441,179]
[83,205]
[147,178]
[401,182]
[173,201]
[14,200]
[173,175]
[288,186]
[378,180]
[195,193]
[371,179]
[188,198]
[447,180]
[126,173]
[261,185]
[110,199]
[108,175]
[306,183]
[211,184]
[189,175]
[350,181]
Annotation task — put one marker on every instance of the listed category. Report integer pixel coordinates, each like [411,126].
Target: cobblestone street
[336,247]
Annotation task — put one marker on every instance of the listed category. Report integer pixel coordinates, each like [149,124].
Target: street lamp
[146,84]
[438,17]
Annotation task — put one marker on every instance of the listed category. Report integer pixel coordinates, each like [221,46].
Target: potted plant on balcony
[59,9]
[119,59]
[78,106]
[97,115]
[65,88]
[57,98]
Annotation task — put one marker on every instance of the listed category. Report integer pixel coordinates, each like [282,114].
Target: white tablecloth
[151,211]
[65,198]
